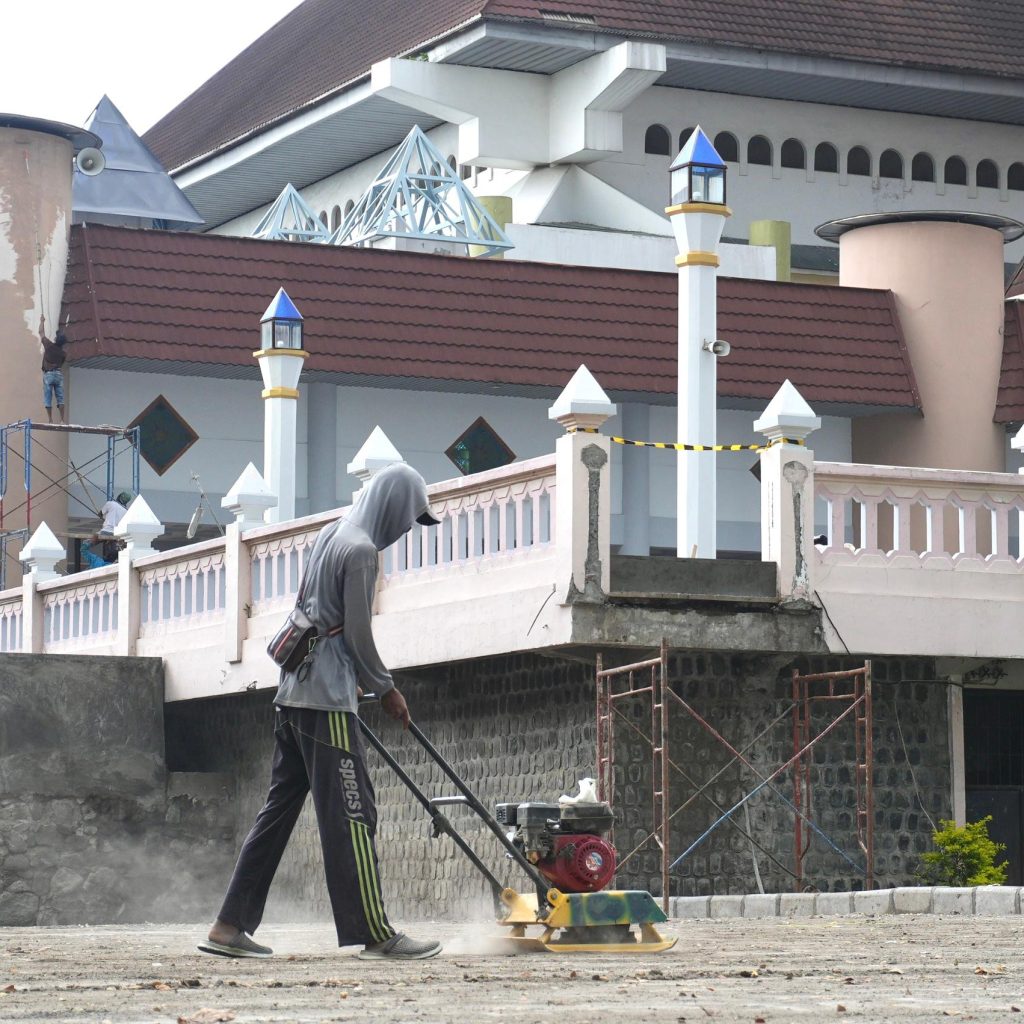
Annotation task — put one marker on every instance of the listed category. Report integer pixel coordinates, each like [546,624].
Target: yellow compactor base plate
[584,922]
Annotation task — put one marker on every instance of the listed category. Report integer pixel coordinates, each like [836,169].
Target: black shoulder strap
[309,565]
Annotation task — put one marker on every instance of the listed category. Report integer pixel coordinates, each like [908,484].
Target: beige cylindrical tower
[36,158]
[946,272]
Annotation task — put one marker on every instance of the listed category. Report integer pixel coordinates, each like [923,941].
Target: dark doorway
[994,769]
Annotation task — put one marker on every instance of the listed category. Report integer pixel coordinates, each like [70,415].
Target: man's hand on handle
[394,705]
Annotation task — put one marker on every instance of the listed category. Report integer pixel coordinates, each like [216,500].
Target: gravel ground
[819,969]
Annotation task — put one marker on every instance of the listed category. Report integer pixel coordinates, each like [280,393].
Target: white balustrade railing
[182,589]
[502,514]
[939,519]
[278,556]
[80,611]
[10,620]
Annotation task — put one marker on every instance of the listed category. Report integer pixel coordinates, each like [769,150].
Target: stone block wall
[522,727]
[92,829]
[747,700]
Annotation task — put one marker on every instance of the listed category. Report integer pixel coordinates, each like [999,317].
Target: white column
[247,501]
[636,481]
[787,493]
[698,229]
[39,557]
[280,369]
[138,527]
[583,491]
[322,445]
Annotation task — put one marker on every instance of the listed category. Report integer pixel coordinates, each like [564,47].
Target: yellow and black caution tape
[694,447]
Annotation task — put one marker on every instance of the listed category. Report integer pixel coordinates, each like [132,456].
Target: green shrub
[963,856]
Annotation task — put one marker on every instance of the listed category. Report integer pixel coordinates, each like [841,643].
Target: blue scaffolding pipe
[767,782]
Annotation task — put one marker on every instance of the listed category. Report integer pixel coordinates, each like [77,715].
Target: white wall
[580,248]
[226,414]
[804,198]
[228,417]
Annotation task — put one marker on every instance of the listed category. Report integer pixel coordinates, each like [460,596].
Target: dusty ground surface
[854,969]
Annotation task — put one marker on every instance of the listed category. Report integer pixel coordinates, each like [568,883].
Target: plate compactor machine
[566,854]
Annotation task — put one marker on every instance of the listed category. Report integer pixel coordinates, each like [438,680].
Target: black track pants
[319,752]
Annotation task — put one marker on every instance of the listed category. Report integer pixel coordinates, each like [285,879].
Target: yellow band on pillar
[698,259]
[300,352]
[280,392]
[720,208]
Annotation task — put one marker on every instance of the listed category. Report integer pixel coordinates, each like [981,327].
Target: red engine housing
[579,863]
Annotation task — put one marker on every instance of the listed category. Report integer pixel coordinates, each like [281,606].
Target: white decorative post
[376,453]
[280,357]
[583,490]
[138,527]
[247,500]
[41,554]
[787,492]
[698,214]
[40,557]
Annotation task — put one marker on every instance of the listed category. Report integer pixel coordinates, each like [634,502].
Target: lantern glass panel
[283,337]
[267,334]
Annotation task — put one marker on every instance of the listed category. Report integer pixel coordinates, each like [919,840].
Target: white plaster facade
[804,197]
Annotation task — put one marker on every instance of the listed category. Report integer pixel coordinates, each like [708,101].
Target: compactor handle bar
[443,825]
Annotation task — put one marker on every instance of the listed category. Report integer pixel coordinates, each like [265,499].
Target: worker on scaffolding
[102,547]
[53,373]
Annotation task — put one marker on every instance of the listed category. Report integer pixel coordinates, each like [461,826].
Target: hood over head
[394,500]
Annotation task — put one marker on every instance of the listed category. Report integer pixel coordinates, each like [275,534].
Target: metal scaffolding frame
[649,678]
[10,450]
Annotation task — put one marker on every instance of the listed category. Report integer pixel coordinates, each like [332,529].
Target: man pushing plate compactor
[327,652]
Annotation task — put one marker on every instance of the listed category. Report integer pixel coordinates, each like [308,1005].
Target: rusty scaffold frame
[615,686]
[860,707]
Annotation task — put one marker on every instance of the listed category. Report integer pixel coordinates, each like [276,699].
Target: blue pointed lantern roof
[281,308]
[698,150]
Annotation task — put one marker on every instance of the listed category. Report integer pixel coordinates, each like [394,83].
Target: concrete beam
[587,100]
[502,115]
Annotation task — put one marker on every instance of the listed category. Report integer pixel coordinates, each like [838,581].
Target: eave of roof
[174,299]
[330,44]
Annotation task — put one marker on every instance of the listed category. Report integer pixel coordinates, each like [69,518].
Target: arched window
[657,140]
[727,146]
[452,162]
[759,151]
[826,158]
[890,165]
[955,172]
[349,206]
[858,161]
[922,168]
[1015,178]
[987,175]
[335,218]
[323,218]
[792,154]
[684,137]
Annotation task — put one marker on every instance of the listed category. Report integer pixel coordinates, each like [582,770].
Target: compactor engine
[568,845]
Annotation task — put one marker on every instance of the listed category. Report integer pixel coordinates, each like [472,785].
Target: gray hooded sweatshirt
[339,589]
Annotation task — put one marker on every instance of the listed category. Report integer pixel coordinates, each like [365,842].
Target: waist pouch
[295,642]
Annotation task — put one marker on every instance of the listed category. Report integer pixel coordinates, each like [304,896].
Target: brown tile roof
[323,44]
[178,297]
[1010,401]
